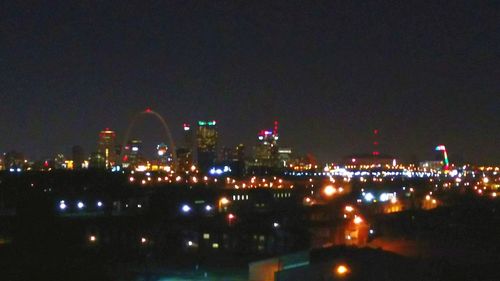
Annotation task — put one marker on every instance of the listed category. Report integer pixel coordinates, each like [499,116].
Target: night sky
[422,72]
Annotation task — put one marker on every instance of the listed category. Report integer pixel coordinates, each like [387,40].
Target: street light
[329,190]
[341,270]
[358,220]
[222,203]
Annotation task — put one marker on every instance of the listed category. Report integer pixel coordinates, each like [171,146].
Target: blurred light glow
[185,208]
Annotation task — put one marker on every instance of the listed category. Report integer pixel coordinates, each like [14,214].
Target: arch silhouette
[148,111]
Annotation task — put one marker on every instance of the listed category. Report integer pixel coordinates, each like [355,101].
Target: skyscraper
[106,147]
[206,137]
[78,157]
[132,154]
[185,152]
[266,150]
[188,136]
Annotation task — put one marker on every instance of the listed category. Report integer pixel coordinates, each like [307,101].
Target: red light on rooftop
[148,110]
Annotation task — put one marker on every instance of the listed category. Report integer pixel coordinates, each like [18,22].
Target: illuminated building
[188,136]
[184,159]
[13,160]
[284,154]
[185,153]
[107,148]
[60,161]
[226,154]
[206,137]
[97,161]
[163,154]
[78,157]
[266,150]
[132,154]
[303,163]
[431,165]
[239,160]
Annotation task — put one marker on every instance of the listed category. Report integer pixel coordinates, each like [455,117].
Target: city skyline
[105,145]
[329,73]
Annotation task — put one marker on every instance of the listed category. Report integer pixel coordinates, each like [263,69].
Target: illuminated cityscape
[254,206]
[284,141]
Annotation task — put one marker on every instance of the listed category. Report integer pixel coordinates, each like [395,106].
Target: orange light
[341,270]
[358,220]
[224,201]
[329,190]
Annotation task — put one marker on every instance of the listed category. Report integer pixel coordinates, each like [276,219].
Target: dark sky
[423,72]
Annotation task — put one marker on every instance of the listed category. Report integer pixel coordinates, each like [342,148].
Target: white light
[80,205]
[369,197]
[186,208]
[190,243]
[208,208]
[62,205]
[358,220]
[99,204]
[276,225]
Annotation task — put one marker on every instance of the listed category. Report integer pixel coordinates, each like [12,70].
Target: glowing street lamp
[358,220]
[185,208]
[222,203]
[329,190]
[341,270]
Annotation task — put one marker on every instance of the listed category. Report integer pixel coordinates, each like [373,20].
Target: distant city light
[329,190]
[80,205]
[62,205]
[185,208]
[224,201]
[208,208]
[99,204]
[341,270]
[369,197]
[358,220]
[219,171]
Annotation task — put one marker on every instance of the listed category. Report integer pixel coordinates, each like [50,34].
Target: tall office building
[78,157]
[266,150]
[185,153]
[206,137]
[163,154]
[132,154]
[107,148]
[188,136]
